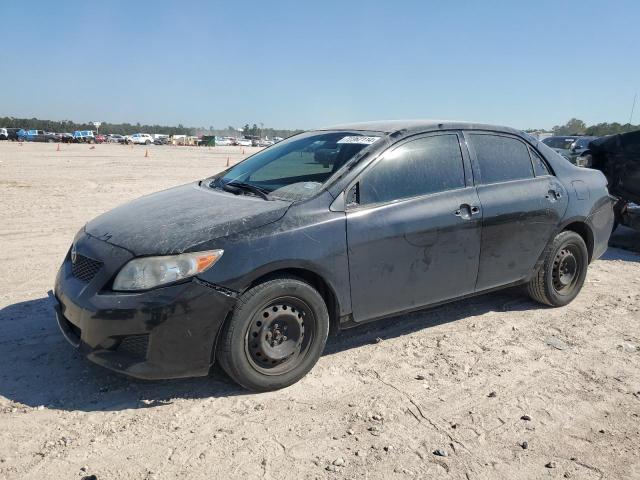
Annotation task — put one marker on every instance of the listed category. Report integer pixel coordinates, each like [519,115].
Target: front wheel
[562,274]
[275,335]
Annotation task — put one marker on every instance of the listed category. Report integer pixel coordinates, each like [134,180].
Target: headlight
[148,272]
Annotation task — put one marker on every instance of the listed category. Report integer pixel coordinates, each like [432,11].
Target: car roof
[393,126]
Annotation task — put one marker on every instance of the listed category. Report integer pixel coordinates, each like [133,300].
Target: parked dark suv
[13,133]
[324,231]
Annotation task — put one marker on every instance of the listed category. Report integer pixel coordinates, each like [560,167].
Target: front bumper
[167,332]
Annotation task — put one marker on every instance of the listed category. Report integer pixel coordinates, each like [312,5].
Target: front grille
[135,346]
[85,268]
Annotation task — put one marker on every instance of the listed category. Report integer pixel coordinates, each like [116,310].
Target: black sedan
[321,232]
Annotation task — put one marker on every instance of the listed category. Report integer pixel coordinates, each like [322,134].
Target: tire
[254,349]
[147,142]
[562,274]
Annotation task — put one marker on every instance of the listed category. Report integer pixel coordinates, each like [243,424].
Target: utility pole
[633,106]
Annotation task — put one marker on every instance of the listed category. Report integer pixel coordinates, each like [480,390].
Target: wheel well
[317,282]
[585,232]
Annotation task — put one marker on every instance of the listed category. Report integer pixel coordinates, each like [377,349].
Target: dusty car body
[346,240]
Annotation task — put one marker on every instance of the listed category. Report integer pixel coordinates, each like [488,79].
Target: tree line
[69,126]
[254,130]
[576,126]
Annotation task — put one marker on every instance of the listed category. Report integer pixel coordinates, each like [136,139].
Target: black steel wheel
[562,274]
[276,338]
[566,269]
[275,335]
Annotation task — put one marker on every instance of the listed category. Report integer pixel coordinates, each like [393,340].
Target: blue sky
[307,64]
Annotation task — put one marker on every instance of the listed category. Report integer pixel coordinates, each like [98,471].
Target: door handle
[465,211]
[553,195]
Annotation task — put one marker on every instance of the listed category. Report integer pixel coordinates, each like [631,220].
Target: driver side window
[419,167]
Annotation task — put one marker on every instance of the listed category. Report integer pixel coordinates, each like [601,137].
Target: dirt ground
[475,379]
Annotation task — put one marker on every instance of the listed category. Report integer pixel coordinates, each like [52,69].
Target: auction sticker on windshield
[358,140]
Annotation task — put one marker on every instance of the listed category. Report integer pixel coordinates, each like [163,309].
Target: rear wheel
[562,274]
[275,335]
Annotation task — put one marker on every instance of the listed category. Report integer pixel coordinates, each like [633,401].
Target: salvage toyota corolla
[253,267]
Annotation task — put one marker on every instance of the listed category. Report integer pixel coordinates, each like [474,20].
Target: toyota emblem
[74,254]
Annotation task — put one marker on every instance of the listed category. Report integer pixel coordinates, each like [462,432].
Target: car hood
[181,218]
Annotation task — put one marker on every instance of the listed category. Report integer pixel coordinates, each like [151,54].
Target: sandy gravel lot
[475,379]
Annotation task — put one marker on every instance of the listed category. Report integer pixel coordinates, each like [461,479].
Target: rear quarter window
[539,166]
[501,158]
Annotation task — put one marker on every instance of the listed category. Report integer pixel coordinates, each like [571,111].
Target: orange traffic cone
[227,161]
[146,153]
[58,148]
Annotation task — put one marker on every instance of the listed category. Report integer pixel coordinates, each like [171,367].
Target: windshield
[296,168]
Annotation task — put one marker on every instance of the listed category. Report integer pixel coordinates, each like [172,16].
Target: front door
[413,228]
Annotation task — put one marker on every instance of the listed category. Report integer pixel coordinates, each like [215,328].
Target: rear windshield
[559,142]
[298,167]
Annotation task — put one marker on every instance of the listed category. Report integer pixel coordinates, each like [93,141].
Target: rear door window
[501,158]
[419,167]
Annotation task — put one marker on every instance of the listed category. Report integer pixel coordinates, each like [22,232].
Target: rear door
[413,228]
[522,204]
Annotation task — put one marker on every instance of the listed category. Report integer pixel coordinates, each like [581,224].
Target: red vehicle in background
[101,138]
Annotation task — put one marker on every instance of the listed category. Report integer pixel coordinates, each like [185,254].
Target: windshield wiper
[261,192]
